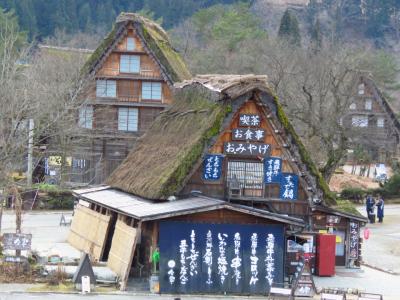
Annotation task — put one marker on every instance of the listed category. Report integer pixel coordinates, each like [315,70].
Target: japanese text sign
[212,167]
[272,170]
[248,134]
[289,186]
[247,149]
[249,120]
[213,258]
[354,237]
[17,241]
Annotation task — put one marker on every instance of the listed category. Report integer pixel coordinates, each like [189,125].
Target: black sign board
[17,241]
[249,120]
[248,134]
[218,258]
[249,149]
[354,238]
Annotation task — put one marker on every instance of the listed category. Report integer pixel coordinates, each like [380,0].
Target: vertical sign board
[212,167]
[218,258]
[289,186]
[354,237]
[272,170]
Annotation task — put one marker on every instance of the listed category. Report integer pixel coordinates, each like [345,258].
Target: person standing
[370,203]
[381,206]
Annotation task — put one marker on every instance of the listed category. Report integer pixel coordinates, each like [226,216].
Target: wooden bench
[326,296]
[280,292]
[369,296]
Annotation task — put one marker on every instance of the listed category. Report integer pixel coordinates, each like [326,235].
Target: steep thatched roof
[155,41]
[175,143]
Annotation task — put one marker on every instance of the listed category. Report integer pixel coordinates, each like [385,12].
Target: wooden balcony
[146,72]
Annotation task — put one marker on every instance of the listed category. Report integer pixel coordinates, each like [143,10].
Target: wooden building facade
[227,143]
[372,124]
[133,70]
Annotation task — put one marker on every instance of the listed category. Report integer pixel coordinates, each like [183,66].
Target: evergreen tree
[289,29]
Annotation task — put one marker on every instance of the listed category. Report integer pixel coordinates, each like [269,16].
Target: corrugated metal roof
[145,210]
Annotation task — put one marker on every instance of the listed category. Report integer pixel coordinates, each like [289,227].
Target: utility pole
[30,153]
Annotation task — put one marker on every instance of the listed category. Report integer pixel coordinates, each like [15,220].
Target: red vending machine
[326,254]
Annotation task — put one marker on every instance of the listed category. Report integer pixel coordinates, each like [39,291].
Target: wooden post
[18,214]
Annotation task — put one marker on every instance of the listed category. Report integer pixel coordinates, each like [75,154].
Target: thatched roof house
[165,158]
[154,39]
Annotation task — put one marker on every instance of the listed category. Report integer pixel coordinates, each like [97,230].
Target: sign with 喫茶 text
[17,241]
[247,149]
[272,170]
[249,120]
[217,258]
[354,235]
[212,167]
[248,134]
[289,186]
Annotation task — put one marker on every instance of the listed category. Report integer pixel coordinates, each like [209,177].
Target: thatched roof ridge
[155,41]
[228,85]
[176,142]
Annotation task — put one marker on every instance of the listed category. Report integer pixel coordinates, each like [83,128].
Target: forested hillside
[41,18]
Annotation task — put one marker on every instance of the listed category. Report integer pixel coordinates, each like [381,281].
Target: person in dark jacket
[370,203]
[381,206]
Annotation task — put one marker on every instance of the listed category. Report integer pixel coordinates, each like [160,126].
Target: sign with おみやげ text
[272,170]
[218,258]
[354,236]
[212,167]
[249,120]
[289,186]
[247,149]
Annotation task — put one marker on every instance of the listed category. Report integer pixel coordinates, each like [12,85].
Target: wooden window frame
[130,64]
[152,84]
[129,112]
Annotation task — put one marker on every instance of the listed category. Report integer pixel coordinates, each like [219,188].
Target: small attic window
[353,106]
[368,104]
[130,44]
[361,89]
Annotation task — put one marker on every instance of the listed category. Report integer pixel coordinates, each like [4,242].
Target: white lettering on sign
[269,259]
[171,273]
[193,255]
[253,259]
[208,257]
[236,261]
[249,120]
[183,273]
[222,262]
[247,149]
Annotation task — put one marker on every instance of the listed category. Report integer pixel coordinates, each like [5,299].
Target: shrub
[353,193]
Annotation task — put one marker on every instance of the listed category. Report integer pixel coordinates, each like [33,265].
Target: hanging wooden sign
[212,167]
[289,186]
[249,120]
[354,236]
[247,149]
[248,134]
[272,170]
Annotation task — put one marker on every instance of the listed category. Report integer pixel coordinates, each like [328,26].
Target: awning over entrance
[145,210]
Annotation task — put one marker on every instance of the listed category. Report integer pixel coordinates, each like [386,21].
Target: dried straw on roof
[155,40]
[174,145]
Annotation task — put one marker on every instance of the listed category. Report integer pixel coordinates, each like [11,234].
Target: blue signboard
[212,167]
[272,170]
[218,258]
[289,186]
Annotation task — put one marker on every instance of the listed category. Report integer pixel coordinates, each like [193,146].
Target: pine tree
[289,29]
